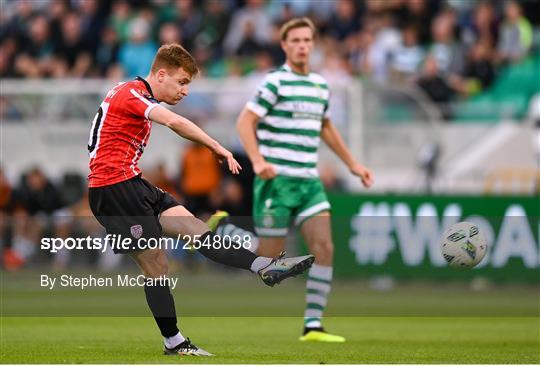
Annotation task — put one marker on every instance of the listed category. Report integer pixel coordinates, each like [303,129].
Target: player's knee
[328,249]
[323,248]
[156,266]
[157,270]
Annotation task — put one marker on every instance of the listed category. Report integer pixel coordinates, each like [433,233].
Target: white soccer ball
[463,245]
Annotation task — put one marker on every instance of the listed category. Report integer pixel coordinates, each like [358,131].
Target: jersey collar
[286,67]
[148,88]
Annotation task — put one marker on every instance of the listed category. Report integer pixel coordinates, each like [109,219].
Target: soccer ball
[463,245]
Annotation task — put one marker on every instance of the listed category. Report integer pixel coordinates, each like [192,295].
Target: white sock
[318,287]
[173,341]
[259,263]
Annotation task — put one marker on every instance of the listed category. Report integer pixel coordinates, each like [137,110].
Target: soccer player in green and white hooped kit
[281,129]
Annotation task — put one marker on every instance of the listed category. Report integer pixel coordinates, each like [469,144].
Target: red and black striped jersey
[120,132]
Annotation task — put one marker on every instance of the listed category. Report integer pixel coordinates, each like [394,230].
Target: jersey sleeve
[326,113]
[139,103]
[266,97]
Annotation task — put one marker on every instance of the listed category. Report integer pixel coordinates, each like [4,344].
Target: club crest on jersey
[148,96]
[136,231]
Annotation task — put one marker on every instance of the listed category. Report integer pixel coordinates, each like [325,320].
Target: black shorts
[130,209]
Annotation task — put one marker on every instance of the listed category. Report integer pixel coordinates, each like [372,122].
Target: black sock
[239,258]
[161,302]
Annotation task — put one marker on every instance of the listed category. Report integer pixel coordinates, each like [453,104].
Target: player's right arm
[189,130]
[246,126]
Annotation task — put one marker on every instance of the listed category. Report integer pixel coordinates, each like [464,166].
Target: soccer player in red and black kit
[127,205]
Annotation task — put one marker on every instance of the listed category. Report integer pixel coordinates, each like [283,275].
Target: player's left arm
[333,139]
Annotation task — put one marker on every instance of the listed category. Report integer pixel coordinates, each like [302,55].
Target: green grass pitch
[273,340]
[241,321]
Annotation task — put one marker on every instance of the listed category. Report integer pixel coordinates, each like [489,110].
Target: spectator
[263,64]
[200,176]
[56,12]
[229,197]
[479,70]
[345,20]
[418,14]
[252,13]
[92,23]
[445,49]
[36,199]
[515,35]
[363,56]
[159,177]
[72,47]
[148,14]
[106,55]
[249,44]
[19,24]
[433,83]
[377,40]
[190,20]
[120,19]
[483,27]
[170,33]
[214,27]
[37,194]
[8,48]
[39,45]
[407,58]
[137,54]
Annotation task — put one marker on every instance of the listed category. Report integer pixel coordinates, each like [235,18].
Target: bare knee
[154,266]
[323,250]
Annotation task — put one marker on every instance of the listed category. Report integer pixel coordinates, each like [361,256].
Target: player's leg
[153,264]
[177,220]
[317,233]
[125,209]
[314,222]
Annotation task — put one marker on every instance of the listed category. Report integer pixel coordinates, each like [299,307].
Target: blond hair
[296,23]
[173,56]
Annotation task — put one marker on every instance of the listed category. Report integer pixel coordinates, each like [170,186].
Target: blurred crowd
[445,47]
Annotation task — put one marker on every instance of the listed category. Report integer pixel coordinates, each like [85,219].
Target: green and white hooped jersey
[292,107]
